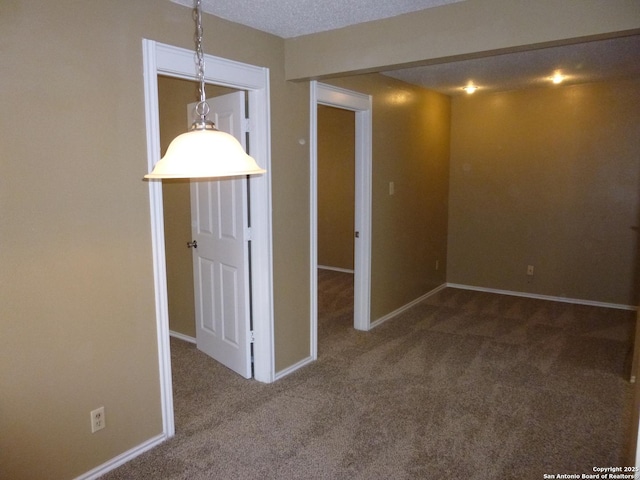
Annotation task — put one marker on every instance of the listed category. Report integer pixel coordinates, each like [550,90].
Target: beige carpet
[465,385]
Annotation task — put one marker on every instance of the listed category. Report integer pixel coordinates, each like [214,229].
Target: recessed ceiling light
[557,78]
[470,88]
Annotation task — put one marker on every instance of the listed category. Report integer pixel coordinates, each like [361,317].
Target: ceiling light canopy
[204,151]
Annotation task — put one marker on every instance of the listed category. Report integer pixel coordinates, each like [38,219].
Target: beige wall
[336,187]
[173,96]
[549,178]
[290,200]
[409,228]
[77,308]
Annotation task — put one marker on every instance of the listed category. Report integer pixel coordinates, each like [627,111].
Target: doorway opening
[206,227]
[161,59]
[335,222]
[330,96]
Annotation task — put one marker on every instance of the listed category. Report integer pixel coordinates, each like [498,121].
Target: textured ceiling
[292,18]
[580,63]
[615,58]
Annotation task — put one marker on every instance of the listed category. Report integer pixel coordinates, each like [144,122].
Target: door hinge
[247,234]
[252,337]
[246,125]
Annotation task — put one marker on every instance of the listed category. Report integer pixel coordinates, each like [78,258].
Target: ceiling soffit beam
[457,31]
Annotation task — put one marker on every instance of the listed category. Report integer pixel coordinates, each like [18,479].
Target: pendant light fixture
[204,151]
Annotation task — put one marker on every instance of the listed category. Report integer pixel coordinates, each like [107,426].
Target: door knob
[193,244]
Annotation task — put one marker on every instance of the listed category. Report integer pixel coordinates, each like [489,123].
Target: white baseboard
[576,301]
[293,368]
[397,312]
[335,269]
[122,458]
[182,336]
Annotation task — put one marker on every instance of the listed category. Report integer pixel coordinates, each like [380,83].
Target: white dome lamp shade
[204,151]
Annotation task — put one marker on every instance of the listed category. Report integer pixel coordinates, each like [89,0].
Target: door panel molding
[219,222]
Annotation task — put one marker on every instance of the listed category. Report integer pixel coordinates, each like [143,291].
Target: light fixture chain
[203,152]
[199,53]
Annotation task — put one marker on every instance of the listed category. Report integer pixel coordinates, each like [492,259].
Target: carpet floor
[464,385]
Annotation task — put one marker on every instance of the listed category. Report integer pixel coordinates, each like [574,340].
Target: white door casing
[322,94]
[219,224]
[162,59]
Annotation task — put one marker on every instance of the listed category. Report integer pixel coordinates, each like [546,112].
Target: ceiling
[293,18]
[614,58]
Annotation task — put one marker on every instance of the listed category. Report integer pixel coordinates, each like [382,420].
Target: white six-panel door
[219,224]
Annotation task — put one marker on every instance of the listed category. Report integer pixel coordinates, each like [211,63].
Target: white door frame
[178,62]
[323,94]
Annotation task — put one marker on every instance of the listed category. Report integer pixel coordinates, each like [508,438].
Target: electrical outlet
[392,188]
[97,419]
[437,264]
[530,270]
